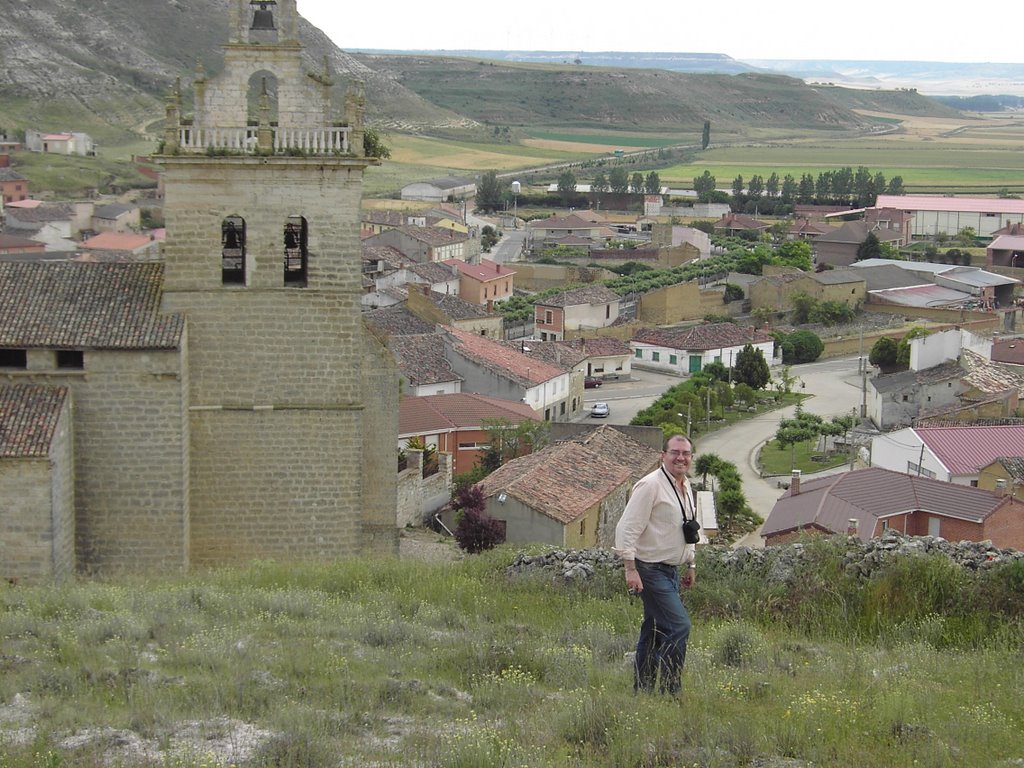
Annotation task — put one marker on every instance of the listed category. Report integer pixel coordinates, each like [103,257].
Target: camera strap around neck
[682,507]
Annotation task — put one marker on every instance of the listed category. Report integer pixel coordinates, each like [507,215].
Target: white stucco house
[687,351]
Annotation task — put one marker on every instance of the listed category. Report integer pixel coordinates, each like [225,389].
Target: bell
[263,16]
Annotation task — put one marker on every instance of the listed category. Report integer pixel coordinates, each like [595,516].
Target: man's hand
[689,577]
[633,582]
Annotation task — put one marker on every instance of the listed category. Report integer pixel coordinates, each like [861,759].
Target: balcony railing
[316,141]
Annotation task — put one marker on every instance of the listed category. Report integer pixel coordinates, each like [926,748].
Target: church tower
[292,406]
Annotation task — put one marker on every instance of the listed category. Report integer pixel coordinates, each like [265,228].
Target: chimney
[426,289]
[852,526]
[794,483]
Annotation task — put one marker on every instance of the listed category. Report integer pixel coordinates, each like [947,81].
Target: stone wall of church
[38,541]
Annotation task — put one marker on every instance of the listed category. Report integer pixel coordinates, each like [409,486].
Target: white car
[599,411]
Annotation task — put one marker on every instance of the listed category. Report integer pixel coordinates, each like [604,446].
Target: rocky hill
[113,61]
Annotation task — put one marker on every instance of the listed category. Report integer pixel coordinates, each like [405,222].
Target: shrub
[477,531]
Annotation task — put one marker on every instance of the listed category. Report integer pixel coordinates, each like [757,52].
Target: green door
[694,363]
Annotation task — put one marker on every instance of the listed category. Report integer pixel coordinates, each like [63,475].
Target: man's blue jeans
[661,649]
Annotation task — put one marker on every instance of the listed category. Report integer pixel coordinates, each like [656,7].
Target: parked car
[592,382]
[599,411]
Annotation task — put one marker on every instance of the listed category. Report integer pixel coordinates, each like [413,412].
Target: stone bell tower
[292,406]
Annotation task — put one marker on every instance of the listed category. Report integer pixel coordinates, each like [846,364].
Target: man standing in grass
[649,538]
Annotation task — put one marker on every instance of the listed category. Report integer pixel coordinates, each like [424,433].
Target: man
[649,538]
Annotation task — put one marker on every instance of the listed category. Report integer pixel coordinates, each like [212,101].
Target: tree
[883,354]
[636,185]
[966,236]
[705,138]
[373,144]
[618,179]
[790,189]
[795,253]
[706,464]
[488,238]
[652,184]
[805,346]
[475,530]
[895,186]
[755,188]
[488,192]
[805,190]
[737,187]
[704,185]
[803,304]
[751,368]
[600,185]
[567,186]
[771,187]
[871,248]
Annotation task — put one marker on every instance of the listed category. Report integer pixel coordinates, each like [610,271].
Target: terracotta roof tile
[500,358]
[461,410]
[397,320]
[73,305]
[587,294]
[421,359]
[702,337]
[565,480]
[29,414]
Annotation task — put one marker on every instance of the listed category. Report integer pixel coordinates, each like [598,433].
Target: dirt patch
[424,544]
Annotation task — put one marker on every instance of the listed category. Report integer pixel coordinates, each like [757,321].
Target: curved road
[835,387]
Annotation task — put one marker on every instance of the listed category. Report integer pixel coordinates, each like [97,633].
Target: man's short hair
[664,444]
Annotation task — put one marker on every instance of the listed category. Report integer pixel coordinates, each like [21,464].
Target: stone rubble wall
[779,563]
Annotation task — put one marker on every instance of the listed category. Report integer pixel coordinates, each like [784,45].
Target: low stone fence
[778,563]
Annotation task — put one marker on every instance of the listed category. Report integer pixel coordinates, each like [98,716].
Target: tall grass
[392,663]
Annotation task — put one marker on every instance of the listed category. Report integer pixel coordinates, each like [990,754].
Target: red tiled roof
[508,360]
[117,241]
[71,305]
[702,337]
[828,503]
[29,414]
[551,481]
[484,271]
[965,450]
[462,410]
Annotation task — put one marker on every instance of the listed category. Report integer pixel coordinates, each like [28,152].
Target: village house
[867,502]
[485,282]
[67,143]
[451,310]
[116,217]
[427,243]
[544,498]
[121,245]
[55,225]
[1003,474]
[736,223]
[838,248]
[454,423]
[423,364]
[777,287]
[498,370]
[952,453]
[571,229]
[13,244]
[570,313]
[687,351]
[13,186]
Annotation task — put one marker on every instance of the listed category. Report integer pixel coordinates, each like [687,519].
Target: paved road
[836,389]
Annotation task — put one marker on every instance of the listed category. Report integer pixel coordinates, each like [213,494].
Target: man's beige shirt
[651,526]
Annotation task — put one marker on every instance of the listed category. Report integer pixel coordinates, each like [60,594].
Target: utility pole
[707,420]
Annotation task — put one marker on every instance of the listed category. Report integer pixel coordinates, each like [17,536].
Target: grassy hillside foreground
[400,663]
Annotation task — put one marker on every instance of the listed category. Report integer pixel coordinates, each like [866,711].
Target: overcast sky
[905,30]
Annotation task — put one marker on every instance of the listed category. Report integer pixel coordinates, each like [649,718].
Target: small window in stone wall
[232,253]
[71,359]
[296,251]
[13,358]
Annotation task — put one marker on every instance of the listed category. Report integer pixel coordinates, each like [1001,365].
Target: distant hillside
[106,67]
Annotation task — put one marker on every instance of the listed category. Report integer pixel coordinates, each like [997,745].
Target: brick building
[228,403]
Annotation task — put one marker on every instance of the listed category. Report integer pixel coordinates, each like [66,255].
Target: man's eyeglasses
[674,453]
